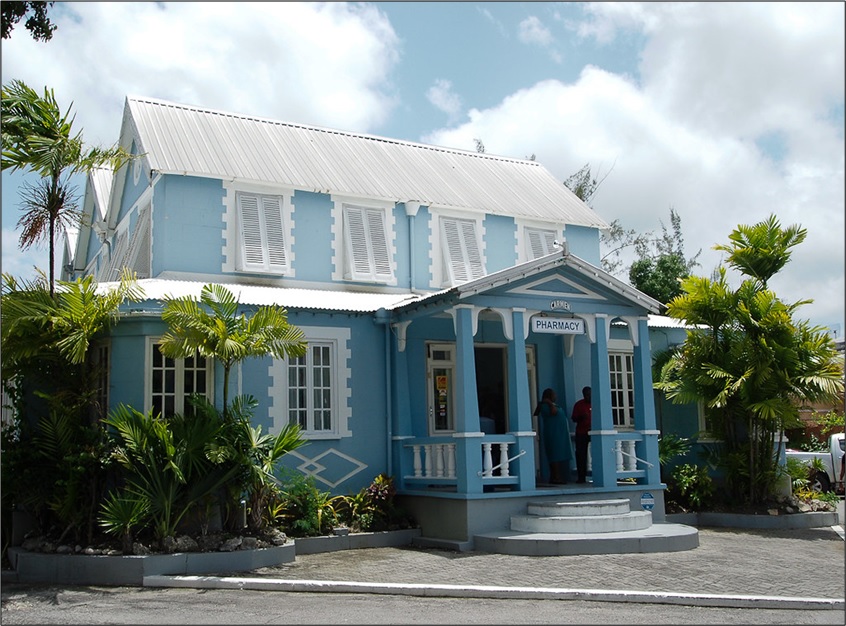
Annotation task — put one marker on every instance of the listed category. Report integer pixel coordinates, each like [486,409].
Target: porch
[453,510]
[507,462]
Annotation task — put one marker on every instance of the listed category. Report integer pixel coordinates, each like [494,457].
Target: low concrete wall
[814,519]
[353,541]
[78,569]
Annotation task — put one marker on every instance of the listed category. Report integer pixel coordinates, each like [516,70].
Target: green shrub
[306,510]
[691,487]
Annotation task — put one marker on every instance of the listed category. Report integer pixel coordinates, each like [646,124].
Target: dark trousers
[582,442]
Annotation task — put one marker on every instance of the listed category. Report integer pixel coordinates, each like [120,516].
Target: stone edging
[813,519]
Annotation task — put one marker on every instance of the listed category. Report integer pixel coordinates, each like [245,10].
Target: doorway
[491,388]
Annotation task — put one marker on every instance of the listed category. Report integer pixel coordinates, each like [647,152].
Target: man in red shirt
[581,415]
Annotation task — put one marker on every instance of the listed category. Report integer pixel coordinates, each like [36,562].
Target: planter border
[788,521]
[354,541]
[119,570]
[130,570]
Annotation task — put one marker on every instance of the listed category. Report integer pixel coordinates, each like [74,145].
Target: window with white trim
[460,244]
[539,242]
[262,232]
[311,389]
[440,375]
[366,242]
[170,382]
[621,368]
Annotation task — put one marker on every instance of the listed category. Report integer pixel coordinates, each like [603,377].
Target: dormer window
[539,242]
[461,250]
[366,239]
[262,233]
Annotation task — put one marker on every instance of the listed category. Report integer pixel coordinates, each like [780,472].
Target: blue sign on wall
[647,501]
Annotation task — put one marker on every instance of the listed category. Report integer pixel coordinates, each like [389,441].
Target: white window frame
[179,378]
[366,240]
[704,435]
[336,341]
[461,249]
[446,364]
[539,242]
[263,233]
[623,394]
[368,259]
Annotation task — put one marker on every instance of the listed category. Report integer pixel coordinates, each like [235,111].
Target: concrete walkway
[802,568]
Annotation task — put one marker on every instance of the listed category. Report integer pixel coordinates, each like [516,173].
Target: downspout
[411,208]
[382,317]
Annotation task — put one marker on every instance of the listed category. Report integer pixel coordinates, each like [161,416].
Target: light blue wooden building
[440,292]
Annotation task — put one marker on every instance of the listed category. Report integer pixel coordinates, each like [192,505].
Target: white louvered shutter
[277,256]
[248,212]
[462,256]
[379,244]
[367,244]
[118,255]
[540,242]
[262,232]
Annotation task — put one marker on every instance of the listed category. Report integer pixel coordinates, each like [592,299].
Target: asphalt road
[125,605]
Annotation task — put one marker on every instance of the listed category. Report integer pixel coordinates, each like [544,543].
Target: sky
[725,113]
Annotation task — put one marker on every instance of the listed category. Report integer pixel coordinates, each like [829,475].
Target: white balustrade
[487,459]
[439,460]
[503,459]
[630,460]
[434,460]
[618,454]
[418,462]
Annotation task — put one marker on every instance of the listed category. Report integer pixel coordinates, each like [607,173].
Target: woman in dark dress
[556,437]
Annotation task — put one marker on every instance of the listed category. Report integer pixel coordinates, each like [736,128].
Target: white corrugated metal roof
[311,299]
[201,142]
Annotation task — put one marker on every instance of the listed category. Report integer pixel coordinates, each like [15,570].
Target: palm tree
[761,250]
[37,137]
[214,327]
[39,325]
[750,360]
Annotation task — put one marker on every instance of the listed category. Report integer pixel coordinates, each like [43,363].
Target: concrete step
[606,523]
[656,538]
[579,509]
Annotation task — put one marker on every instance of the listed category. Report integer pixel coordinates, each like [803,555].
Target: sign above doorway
[558,325]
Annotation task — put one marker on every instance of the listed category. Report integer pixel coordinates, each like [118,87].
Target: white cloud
[489,16]
[532,31]
[327,64]
[684,133]
[442,97]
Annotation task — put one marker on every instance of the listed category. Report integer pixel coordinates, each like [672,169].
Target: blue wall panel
[188,225]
